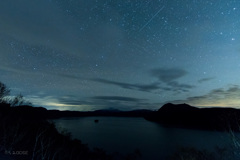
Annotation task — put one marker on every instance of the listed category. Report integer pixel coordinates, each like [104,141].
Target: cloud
[175,86]
[70,76]
[61,103]
[100,102]
[72,100]
[219,97]
[168,75]
[30,73]
[34,54]
[120,102]
[117,98]
[38,22]
[139,87]
[57,25]
[205,79]
[13,70]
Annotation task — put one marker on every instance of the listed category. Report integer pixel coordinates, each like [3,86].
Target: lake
[126,134]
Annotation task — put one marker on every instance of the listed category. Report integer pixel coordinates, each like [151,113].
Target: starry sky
[111,54]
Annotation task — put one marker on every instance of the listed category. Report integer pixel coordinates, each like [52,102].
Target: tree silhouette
[7,99]
[4,92]
[19,100]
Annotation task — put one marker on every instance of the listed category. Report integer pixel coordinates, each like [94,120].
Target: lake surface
[126,134]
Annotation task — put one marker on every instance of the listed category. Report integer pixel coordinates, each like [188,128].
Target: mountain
[169,115]
[169,107]
[186,116]
[105,112]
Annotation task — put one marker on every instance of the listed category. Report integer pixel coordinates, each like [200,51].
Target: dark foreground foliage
[26,134]
[190,153]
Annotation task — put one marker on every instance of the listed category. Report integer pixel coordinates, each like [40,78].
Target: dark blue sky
[133,54]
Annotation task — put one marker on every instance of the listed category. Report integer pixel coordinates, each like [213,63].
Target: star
[108,49]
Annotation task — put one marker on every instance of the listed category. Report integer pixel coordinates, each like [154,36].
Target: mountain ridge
[186,116]
[169,115]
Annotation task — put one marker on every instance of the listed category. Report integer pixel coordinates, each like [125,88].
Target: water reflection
[126,134]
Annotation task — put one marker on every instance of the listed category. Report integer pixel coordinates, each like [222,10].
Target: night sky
[112,54]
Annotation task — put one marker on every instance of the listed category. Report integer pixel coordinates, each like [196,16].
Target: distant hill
[169,107]
[186,116]
[169,115]
[107,112]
